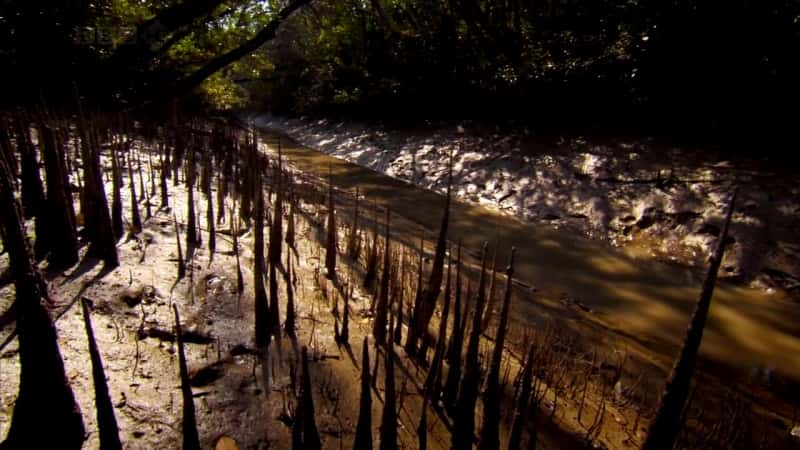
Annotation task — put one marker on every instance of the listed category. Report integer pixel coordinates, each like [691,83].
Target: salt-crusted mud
[648,198]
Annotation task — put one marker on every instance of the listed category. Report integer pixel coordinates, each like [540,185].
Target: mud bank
[650,199]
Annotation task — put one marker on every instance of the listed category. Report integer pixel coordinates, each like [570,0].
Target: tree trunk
[330,249]
[424,310]
[490,430]
[32,190]
[450,392]
[96,216]
[274,306]
[136,219]
[521,411]
[432,382]
[464,420]
[276,230]
[45,396]
[261,301]
[289,323]
[388,428]
[61,228]
[666,426]
[117,223]
[191,219]
[381,309]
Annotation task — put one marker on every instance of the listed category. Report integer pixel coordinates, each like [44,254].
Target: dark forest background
[719,70]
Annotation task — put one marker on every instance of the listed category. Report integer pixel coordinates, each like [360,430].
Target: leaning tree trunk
[666,426]
[45,397]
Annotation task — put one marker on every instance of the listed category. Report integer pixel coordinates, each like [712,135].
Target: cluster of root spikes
[441,319]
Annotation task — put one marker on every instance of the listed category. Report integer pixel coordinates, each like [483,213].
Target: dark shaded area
[708,71]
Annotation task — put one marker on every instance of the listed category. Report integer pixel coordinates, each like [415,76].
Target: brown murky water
[646,301]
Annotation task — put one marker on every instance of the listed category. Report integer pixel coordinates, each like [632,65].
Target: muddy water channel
[641,304]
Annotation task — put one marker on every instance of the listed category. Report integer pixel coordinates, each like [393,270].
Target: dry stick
[665,426]
[191,439]
[106,421]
